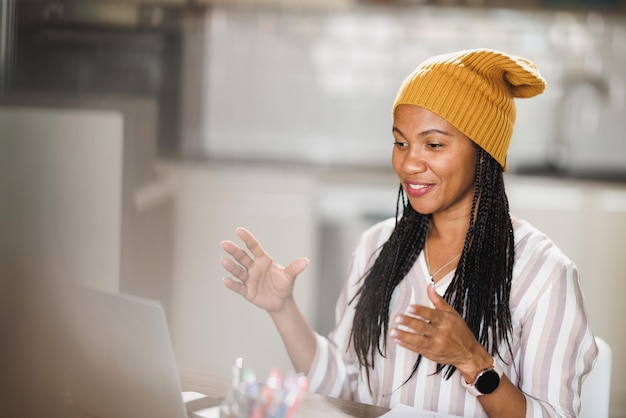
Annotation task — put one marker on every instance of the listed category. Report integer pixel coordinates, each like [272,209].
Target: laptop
[76,352]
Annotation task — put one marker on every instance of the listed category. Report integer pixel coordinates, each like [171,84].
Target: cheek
[467,176]
[460,174]
[468,167]
[466,162]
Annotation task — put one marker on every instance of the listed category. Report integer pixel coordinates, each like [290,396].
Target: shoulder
[531,244]
[370,243]
[380,232]
[540,268]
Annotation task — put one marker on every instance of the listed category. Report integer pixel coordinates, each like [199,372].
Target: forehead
[411,117]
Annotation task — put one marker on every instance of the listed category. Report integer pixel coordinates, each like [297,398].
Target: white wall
[328,79]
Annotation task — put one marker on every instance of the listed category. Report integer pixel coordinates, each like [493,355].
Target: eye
[400,144]
[435,145]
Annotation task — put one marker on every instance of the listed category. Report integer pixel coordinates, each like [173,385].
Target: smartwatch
[486,382]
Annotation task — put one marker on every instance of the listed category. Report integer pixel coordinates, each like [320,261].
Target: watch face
[487,382]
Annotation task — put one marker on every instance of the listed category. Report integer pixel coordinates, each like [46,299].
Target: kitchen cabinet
[211,326]
[93,205]
[320,214]
[62,204]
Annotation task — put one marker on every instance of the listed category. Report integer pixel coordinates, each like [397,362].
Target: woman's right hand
[261,280]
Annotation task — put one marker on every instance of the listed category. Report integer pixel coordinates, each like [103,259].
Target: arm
[558,347]
[441,335]
[297,335]
[553,346]
[268,285]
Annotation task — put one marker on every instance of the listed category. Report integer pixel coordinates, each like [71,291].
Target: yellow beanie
[473,90]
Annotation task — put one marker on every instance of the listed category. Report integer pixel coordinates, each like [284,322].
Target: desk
[312,406]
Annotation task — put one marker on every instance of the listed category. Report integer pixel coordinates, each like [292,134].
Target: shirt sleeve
[335,369]
[555,345]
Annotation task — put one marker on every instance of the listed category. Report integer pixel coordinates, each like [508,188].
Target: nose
[412,161]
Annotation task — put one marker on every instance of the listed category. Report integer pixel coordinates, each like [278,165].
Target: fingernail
[393,332]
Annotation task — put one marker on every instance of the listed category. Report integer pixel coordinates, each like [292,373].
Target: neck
[444,245]
[448,232]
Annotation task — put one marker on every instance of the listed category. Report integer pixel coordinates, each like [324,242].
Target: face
[434,161]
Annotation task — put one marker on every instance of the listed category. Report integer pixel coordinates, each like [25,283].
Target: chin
[422,209]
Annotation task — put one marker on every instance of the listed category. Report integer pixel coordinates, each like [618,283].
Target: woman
[453,306]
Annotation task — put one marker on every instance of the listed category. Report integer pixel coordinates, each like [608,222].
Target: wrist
[486,381]
[285,308]
[480,362]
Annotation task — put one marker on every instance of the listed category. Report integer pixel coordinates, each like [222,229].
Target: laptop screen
[79,352]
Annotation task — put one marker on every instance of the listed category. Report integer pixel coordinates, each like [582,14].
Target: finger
[408,339]
[251,242]
[423,312]
[436,299]
[412,324]
[297,266]
[235,286]
[238,254]
[234,269]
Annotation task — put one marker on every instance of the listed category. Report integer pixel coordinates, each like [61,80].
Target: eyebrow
[422,133]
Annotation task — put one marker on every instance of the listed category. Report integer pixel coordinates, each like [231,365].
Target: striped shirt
[552,344]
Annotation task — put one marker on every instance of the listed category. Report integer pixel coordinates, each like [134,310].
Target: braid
[481,285]
[397,256]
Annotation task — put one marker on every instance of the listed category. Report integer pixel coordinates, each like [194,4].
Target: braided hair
[481,285]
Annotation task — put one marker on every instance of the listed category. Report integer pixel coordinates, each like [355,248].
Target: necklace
[432,275]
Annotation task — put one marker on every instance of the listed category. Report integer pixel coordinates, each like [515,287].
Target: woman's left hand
[441,335]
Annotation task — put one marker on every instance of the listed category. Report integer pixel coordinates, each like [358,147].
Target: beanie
[473,90]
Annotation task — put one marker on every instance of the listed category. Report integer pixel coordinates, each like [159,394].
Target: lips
[418,189]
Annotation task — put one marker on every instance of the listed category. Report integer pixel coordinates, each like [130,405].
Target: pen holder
[276,398]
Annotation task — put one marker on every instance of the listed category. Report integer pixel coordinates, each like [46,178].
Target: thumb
[436,299]
[297,266]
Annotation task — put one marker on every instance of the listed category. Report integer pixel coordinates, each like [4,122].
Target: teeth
[417,186]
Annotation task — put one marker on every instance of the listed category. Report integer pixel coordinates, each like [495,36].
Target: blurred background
[136,135]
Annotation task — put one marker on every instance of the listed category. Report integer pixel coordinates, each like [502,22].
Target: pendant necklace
[441,268]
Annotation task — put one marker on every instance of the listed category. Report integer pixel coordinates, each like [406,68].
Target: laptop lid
[80,352]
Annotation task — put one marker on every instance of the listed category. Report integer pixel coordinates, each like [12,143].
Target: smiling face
[434,161]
